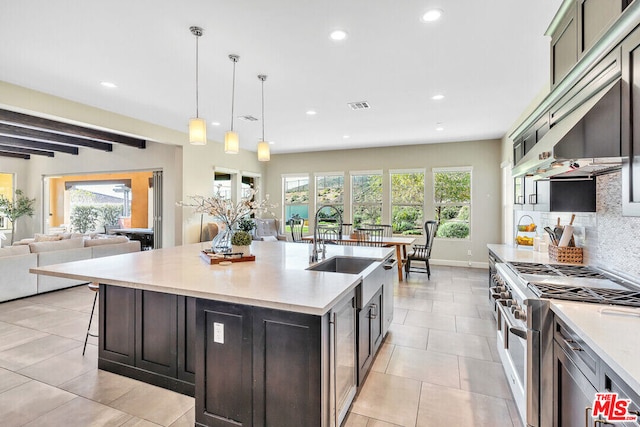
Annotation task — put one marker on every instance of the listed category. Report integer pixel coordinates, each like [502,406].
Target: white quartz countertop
[276,279]
[510,253]
[610,331]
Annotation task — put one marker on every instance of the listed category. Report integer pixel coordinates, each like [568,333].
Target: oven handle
[520,333]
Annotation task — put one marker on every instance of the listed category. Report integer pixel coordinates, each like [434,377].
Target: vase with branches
[20,206]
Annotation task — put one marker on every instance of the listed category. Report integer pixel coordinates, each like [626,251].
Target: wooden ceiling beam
[39,135]
[20,150]
[12,117]
[16,155]
[37,145]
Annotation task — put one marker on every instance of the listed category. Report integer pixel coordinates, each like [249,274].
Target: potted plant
[19,207]
[241,243]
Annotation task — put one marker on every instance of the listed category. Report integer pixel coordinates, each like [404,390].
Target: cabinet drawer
[613,383]
[579,353]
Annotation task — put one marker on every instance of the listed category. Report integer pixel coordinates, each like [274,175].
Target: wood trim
[41,135]
[15,155]
[10,149]
[37,145]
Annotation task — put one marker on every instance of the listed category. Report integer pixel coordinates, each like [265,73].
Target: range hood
[586,142]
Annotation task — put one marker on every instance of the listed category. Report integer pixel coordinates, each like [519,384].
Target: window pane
[296,197]
[452,187]
[454,222]
[407,219]
[407,189]
[367,188]
[6,190]
[330,190]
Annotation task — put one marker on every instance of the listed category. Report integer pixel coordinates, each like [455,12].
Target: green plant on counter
[241,238]
[246,224]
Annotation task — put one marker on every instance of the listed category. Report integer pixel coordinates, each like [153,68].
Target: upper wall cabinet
[583,23]
[630,127]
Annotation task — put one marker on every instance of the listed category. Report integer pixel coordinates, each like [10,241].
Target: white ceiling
[489,59]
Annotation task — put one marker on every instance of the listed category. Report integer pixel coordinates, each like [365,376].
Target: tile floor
[438,365]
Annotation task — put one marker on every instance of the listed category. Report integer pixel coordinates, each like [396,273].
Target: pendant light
[231,141]
[263,146]
[197,125]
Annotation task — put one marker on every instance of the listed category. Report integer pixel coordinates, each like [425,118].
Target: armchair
[423,252]
[267,229]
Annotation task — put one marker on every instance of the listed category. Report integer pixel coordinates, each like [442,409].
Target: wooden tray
[207,256]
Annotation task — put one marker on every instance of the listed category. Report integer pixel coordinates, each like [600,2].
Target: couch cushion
[60,245]
[14,250]
[46,237]
[110,241]
[213,229]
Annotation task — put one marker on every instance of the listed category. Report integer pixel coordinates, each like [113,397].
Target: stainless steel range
[525,330]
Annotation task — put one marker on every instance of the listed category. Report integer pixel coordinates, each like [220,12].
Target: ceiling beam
[9,130]
[37,145]
[16,155]
[20,150]
[11,117]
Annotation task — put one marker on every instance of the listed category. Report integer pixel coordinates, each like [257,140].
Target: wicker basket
[572,255]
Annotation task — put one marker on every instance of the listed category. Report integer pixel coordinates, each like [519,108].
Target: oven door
[513,339]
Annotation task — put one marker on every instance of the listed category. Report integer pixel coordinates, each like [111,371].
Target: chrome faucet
[314,254]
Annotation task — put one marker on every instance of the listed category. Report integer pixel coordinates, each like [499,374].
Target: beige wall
[186,169]
[482,156]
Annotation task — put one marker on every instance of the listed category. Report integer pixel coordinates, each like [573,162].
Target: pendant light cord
[197,100]
[233,91]
[263,79]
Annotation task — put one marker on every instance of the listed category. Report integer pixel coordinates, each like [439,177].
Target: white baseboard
[454,263]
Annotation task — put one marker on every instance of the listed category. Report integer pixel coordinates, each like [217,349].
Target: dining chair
[387,229]
[329,235]
[296,225]
[369,236]
[423,252]
[346,230]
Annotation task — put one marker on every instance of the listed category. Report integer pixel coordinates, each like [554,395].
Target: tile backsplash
[610,240]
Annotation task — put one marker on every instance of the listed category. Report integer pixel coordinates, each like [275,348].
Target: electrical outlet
[218,332]
[469,252]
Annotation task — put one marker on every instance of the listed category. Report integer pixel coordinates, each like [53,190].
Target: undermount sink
[343,264]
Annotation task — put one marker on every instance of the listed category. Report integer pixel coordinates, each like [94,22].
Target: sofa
[15,262]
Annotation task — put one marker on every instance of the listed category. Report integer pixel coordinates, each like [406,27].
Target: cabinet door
[564,48]
[287,369]
[631,124]
[573,393]
[595,17]
[370,320]
[156,332]
[377,319]
[223,360]
[117,316]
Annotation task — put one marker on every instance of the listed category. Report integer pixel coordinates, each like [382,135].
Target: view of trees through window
[452,201]
[6,190]
[366,191]
[407,202]
[98,207]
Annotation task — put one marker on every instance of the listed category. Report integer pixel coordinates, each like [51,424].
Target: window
[222,183]
[296,197]
[366,201]
[330,191]
[407,202]
[6,190]
[452,202]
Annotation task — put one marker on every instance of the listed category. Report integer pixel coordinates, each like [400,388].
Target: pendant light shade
[231,140]
[264,154]
[197,125]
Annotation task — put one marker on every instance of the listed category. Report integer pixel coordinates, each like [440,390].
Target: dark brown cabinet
[594,18]
[148,336]
[259,367]
[564,46]
[370,321]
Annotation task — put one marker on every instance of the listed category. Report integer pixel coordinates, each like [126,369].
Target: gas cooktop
[576,283]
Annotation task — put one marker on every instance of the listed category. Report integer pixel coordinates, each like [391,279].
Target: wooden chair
[387,229]
[423,252]
[346,230]
[370,236]
[330,235]
[296,225]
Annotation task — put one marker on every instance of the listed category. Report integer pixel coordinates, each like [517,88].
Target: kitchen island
[259,342]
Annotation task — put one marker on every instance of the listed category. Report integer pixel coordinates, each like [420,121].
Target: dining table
[399,242]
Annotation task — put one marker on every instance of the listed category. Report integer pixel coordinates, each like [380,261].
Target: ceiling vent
[248,118]
[360,105]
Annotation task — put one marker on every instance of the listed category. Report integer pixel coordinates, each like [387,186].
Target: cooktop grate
[626,297]
[557,270]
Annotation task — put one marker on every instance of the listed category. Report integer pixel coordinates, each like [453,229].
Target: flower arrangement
[228,212]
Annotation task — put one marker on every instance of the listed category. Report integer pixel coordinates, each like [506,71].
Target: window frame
[423,206]
[284,178]
[352,175]
[454,169]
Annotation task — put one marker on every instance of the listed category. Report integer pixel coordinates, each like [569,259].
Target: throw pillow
[47,237]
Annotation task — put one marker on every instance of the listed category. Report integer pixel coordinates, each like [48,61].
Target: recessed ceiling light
[271,142]
[215,123]
[432,15]
[346,136]
[311,113]
[338,35]
[439,127]
[437,97]
[110,85]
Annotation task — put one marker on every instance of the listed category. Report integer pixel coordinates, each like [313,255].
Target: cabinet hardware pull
[569,342]
[373,313]
[587,410]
